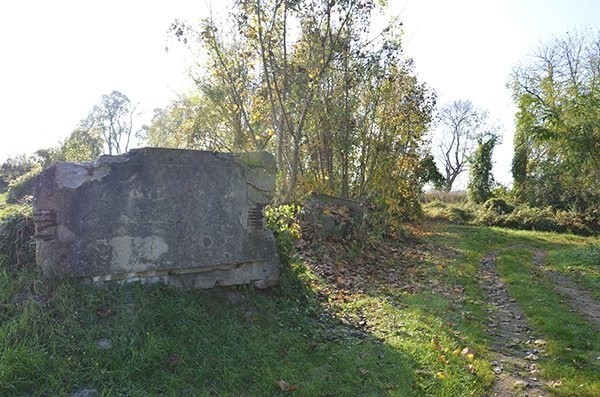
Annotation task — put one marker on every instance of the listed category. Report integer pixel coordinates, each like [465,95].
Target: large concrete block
[184,217]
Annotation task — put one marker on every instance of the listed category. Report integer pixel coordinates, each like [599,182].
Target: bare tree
[461,125]
[112,118]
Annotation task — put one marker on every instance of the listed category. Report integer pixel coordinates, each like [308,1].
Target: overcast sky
[59,57]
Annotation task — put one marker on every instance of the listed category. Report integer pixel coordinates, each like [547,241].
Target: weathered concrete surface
[328,216]
[184,217]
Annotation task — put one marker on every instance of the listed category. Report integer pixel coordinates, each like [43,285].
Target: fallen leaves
[351,267]
[555,383]
[468,353]
[286,387]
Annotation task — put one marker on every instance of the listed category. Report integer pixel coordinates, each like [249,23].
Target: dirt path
[516,351]
[577,298]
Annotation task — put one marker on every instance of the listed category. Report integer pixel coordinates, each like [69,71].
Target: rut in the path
[578,299]
[516,350]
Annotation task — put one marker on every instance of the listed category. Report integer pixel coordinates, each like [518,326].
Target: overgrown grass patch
[17,248]
[162,341]
[581,263]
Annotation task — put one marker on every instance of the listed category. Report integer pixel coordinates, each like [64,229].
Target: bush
[497,212]
[531,218]
[459,214]
[17,247]
[3,184]
[499,206]
[22,187]
[282,220]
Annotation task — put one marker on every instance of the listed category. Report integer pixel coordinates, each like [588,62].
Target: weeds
[17,247]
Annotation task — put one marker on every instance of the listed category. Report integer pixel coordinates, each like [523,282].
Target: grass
[164,342]
[571,360]
[581,263]
[372,324]
[573,346]
[7,209]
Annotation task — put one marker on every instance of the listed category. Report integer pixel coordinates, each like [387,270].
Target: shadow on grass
[137,340]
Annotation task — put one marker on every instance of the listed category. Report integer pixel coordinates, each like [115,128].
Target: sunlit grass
[384,340]
[573,345]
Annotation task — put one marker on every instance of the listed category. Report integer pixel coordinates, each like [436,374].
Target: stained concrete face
[188,218]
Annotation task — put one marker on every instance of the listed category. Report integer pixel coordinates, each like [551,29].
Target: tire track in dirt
[576,298]
[515,351]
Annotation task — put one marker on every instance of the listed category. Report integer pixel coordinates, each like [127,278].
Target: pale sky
[59,57]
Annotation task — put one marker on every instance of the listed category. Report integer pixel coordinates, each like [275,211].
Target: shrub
[531,218]
[22,187]
[282,220]
[438,210]
[17,247]
[497,212]
[498,205]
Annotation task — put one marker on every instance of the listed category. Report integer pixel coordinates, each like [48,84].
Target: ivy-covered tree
[481,180]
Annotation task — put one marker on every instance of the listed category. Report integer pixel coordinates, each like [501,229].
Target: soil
[516,349]
[577,298]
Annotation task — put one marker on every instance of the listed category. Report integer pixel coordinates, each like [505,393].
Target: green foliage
[82,145]
[283,219]
[481,180]
[429,172]
[495,213]
[498,205]
[190,122]
[557,152]
[16,166]
[22,187]
[499,212]
[453,213]
[343,112]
